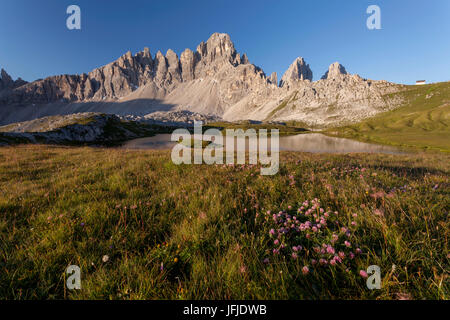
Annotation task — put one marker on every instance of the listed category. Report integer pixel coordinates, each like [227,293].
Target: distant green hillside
[423,121]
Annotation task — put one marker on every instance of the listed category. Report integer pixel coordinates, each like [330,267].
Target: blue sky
[413,44]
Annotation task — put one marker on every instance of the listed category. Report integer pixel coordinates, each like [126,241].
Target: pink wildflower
[305,270]
[330,249]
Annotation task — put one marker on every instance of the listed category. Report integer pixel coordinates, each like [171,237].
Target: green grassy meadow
[422,122]
[140,227]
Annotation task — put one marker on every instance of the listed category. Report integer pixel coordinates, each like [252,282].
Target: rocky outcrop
[90,128]
[298,70]
[334,70]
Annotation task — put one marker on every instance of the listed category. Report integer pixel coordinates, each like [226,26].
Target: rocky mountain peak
[219,45]
[171,55]
[5,77]
[221,42]
[174,68]
[188,61]
[298,70]
[244,59]
[160,66]
[146,52]
[334,70]
[273,78]
[6,82]
[145,58]
[172,59]
[201,49]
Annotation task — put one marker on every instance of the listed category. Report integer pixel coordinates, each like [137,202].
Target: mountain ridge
[214,80]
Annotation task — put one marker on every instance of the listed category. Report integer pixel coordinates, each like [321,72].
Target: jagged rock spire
[334,70]
[6,82]
[187,61]
[298,70]
[273,78]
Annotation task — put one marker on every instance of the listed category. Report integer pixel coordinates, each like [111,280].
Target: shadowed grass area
[204,232]
[422,122]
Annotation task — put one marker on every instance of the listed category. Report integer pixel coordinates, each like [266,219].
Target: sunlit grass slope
[423,121]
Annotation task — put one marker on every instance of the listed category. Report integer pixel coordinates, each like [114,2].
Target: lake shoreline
[310,142]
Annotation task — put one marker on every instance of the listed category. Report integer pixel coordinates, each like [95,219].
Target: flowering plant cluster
[311,235]
[351,171]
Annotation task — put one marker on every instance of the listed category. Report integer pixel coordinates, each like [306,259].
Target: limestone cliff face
[214,80]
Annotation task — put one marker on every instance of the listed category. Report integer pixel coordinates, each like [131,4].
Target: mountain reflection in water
[310,142]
